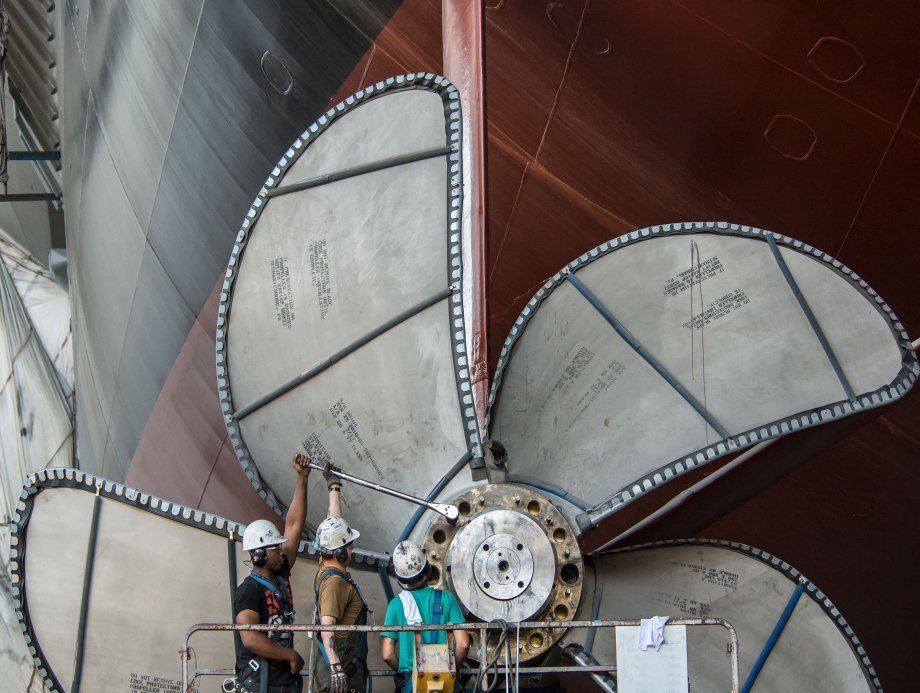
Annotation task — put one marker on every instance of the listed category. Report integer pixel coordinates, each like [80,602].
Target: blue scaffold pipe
[771,641]
[550,489]
[458,465]
[385,581]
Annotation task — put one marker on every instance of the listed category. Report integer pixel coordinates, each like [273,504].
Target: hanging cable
[484,683]
[595,604]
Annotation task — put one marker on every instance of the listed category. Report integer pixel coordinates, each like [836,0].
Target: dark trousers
[296,687]
[401,683]
[252,683]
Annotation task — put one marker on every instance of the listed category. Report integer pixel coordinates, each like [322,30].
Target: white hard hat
[334,533]
[408,560]
[261,534]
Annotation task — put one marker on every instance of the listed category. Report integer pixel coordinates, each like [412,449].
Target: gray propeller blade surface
[341,327]
[673,346]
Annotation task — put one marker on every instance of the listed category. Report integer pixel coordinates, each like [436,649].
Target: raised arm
[335,488]
[297,513]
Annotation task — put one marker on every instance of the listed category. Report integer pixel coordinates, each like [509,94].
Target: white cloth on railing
[410,608]
[651,632]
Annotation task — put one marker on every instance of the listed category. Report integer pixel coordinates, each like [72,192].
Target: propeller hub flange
[511,556]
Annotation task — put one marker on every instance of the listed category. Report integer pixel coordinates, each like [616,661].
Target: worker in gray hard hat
[341,666]
[267,661]
[418,603]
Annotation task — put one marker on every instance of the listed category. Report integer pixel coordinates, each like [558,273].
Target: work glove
[338,680]
[331,479]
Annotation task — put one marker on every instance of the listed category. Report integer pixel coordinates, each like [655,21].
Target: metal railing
[483,628]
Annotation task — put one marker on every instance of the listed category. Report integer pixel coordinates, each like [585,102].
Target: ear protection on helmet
[340,554]
[259,557]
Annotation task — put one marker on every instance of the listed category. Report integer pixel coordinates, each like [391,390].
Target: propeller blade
[154,569]
[673,346]
[340,330]
[753,590]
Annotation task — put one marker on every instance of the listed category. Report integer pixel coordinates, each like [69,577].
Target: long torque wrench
[449,511]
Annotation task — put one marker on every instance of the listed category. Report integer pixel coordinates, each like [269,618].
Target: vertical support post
[231,569]
[484,650]
[183,659]
[463,48]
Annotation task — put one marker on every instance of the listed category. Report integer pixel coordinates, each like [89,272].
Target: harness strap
[429,637]
[436,611]
[361,642]
[277,588]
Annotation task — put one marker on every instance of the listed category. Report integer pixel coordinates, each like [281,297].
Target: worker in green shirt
[418,603]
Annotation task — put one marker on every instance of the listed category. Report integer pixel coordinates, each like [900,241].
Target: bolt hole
[535,641]
[485,547]
[520,547]
[487,584]
[533,507]
[502,565]
[464,508]
[559,535]
[520,584]
[569,573]
[439,536]
[560,612]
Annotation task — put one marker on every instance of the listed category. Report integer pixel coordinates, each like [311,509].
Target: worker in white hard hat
[418,603]
[268,660]
[341,665]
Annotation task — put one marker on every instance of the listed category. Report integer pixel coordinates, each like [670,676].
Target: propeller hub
[502,565]
[512,556]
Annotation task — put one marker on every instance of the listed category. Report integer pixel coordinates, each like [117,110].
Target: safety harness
[355,639]
[436,610]
[259,665]
[279,589]
[428,637]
